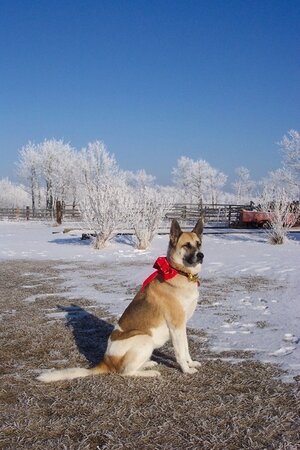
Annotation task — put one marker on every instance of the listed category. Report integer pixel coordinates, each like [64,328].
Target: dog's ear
[198,228]
[175,232]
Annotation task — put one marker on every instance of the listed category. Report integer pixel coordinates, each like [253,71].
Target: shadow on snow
[72,241]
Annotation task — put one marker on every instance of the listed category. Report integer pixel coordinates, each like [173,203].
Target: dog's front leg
[190,361]
[180,344]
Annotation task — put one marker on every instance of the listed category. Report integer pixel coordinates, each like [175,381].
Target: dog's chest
[188,299]
[188,302]
[160,335]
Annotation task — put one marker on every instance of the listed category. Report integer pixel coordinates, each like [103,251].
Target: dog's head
[185,247]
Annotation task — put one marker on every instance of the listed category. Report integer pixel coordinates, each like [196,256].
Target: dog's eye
[198,244]
[188,245]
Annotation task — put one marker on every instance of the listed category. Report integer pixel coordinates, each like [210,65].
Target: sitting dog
[158,312]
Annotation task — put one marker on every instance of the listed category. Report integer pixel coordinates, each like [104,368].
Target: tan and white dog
[158,312]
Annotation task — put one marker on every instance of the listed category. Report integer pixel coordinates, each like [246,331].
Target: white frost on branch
[243,186]
[276,199]
[290,146]
[50,171]
[103,195]
[198,181]
[56,161]
[29,171]
[13,195]
[149,205]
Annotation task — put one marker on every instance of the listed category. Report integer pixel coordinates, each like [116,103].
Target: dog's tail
[72,373]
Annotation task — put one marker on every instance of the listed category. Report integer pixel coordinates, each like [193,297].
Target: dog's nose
[200,257]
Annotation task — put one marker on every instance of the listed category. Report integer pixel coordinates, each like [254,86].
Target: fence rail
[214,215]
[40,214]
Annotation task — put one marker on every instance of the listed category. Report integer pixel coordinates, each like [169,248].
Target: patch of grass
[212,289]
[224,406]
[262,324]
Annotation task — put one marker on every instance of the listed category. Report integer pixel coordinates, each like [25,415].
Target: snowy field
[249,296]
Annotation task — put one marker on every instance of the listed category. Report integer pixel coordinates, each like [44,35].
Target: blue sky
[154,80]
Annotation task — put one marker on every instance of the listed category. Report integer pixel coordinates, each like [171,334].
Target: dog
[159,311]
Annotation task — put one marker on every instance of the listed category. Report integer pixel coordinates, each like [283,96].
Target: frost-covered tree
[197,180]
[139,179]
[290,145]
[215,181]
[56,160]
[280,179]
[103,195]
[181,177]
[13,195]
[277,200]
[49,167]
[29,170]
[243,185]
[72,178]
[105,209]
[149,205]
[199,171]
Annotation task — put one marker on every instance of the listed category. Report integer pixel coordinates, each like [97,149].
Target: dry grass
[213,288]
[224,406]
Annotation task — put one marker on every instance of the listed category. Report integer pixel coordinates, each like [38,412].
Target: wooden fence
[40,214]
[214,215]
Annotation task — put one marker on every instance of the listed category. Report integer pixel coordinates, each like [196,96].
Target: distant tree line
[108,196]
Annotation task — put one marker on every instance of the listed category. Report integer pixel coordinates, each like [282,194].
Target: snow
[253,286]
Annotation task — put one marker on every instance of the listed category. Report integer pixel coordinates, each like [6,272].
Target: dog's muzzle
[195,258]
[200,257]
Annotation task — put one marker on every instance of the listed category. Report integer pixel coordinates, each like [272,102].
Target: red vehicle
[260,218]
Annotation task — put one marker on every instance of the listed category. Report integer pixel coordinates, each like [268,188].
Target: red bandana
[163,268]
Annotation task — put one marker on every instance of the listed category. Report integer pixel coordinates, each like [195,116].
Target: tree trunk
[59,213]
[33,201]
[49,196]
[100,241]
[143,243]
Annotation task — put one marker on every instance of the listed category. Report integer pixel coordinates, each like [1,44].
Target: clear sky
[154,80]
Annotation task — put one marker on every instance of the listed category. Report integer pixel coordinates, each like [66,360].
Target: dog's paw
[190,370]
[194,364]
[153,373]
[143,373]
[150,364]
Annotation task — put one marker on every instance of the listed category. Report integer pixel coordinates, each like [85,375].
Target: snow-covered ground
[250,293]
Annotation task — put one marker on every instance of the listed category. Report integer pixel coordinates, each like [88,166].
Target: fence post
[27,212]
[59,212]
[229,216]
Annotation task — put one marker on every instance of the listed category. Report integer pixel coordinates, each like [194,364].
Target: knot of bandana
[163,268]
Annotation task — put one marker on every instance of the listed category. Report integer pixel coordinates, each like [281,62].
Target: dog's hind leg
[137,358]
